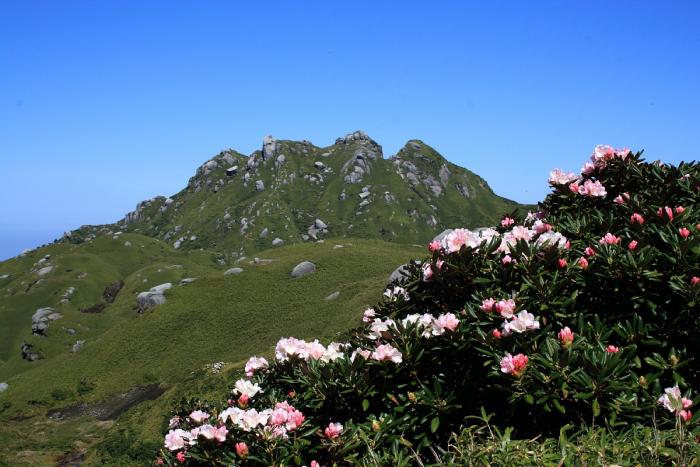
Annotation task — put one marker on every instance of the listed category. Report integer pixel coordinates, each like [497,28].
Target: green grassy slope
[216,318]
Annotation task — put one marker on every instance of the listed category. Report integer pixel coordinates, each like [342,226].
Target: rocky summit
[294,191]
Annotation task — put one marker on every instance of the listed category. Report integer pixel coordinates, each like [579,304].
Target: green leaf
[434,424]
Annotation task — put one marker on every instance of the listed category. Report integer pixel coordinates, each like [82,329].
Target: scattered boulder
[231,271]
[41,319]
[269,147]
[302,269]
[264,232]
[71,331]
[187,280]
[4,276]
[441,235]
[277,242]
[231,171]
[259,185]
[127,243]
[399,275]
[154,297]
[29,353]
[3,387]
[77,346]
[332,296]
[44,271]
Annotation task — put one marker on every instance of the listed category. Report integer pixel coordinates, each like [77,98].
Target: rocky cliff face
[294,191]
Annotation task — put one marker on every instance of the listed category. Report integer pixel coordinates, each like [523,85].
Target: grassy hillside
[215,318]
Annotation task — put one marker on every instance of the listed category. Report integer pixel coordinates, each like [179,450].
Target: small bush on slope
[580,314]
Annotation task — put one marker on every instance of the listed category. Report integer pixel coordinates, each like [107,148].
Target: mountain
[291,191]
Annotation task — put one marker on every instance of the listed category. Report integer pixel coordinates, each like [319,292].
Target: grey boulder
[153,297]
[302,269]
[232,271]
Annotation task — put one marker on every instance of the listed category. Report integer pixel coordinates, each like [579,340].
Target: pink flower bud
[574,188]
[583,263]
[637,219]
[496,334]
[242,450]
[612,349]
[561,262]
[685,415]
[680,209]
[695,280]
[685,233]
[243,400]
[589,251]
[487,305]
[633,245]
[180,457]
[434,246]
[566,337]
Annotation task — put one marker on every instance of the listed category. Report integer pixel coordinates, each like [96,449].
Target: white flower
[244,386]
[333,352]
[254,364]
[395,293]
[177,439]
[378,327]
[520,323]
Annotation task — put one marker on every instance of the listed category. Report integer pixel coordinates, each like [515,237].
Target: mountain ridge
[291,191]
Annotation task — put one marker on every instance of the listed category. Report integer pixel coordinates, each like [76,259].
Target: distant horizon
[103,105]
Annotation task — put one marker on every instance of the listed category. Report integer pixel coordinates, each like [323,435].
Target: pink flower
[505,308]
[583,263]
[507,222]
[589,251]
[176,439]
[566,336]
[665,210]
[514,364]
[447,321]
[612,349]
[434,246]
[685,415]
[609,239]
[561,262]
[488,304]
[254,364]
[296,418]
[559,177]
[199,416]
[637,219]
[622,198]
[365,354]
[685,233]
[506,260]
[314,464]
[386,352]
[590,188]
[333,430]
[541,227]
[694,280]
[242,450]
[496,334]
[180,457]
[522,322]
[633,245]
[368,315]
[588,168]
[680,209]
[439,263]
[574,188]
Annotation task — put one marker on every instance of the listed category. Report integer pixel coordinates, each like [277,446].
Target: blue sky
[103,104]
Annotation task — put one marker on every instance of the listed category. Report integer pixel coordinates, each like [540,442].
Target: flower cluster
[674,402]
[291,347]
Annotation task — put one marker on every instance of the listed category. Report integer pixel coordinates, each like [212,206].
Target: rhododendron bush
[585,312]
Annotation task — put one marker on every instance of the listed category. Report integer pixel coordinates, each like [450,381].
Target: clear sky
[106,103]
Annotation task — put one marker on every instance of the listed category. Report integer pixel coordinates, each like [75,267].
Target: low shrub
[581,314]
